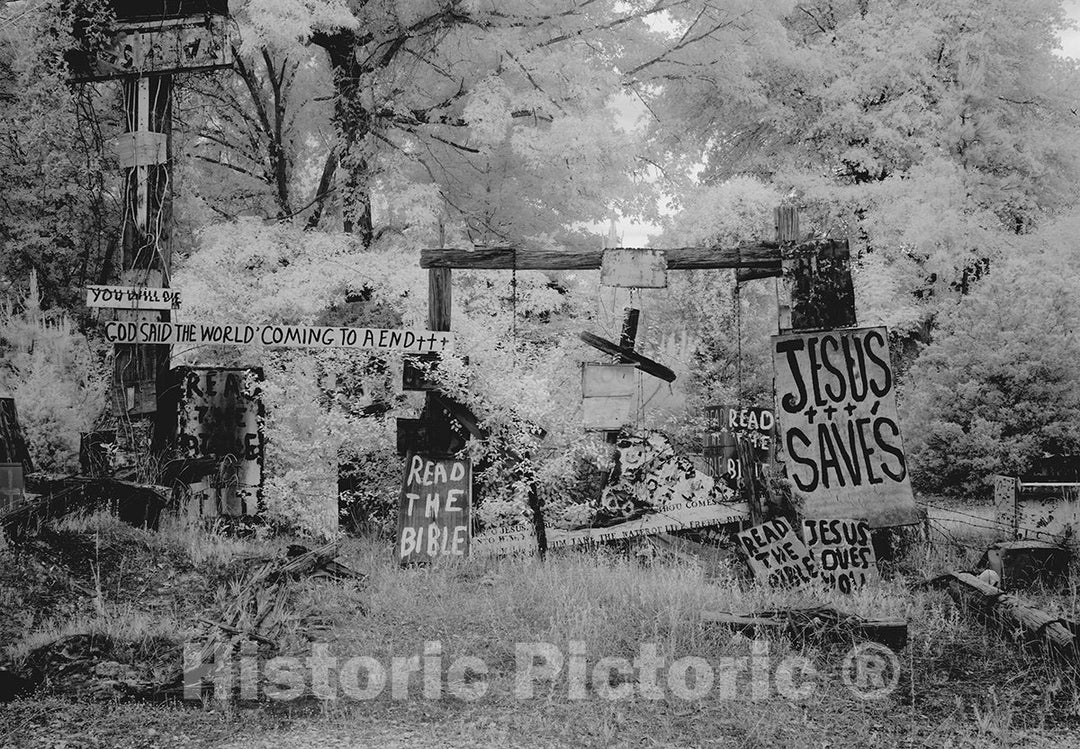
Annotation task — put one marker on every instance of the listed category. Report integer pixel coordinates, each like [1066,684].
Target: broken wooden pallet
[815,623]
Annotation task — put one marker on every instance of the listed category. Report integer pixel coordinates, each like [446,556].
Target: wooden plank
[628,338]
[814,623]
[754,255]
[1011,613]
[440,294]
[742,275]
[821,290]
[643,363]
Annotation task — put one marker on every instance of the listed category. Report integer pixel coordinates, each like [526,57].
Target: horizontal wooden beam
[760,255]
[756,255]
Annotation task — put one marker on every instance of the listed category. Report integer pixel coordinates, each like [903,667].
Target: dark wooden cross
[623,351]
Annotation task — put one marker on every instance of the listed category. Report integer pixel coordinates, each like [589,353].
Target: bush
[58,382]
[999,387]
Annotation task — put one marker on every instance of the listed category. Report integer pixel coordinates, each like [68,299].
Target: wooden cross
[624,352]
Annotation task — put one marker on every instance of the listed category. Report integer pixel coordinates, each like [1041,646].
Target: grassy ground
[960,684]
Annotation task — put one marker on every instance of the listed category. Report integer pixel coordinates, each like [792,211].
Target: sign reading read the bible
[842,551]
[776,555]
[434,511]
[836,405]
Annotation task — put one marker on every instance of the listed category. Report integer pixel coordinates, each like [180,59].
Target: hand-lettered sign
[435,509]
[219,417]
[842,551]
[291,336]
[132,297]
[170,45]
[725,425]
[840,434]
[776,555]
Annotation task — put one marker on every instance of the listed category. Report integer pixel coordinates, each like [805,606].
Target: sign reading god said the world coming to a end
[836,402]
[295,336]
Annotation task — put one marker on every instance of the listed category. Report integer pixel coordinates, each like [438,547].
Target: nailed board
[286,336]
[634,268]
[12,485]
[840,433]
[628,356]
[173,45]
[219,416]
[843,552]
[776,555]
[132,297]
[434,509]
[817,280]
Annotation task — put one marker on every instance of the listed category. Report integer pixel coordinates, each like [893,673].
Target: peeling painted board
[634,268]
[598,380]
[202,42]
[608,413]
[219,415]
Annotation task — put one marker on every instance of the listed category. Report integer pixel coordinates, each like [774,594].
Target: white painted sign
[132,297]
[634,268]
[608,395]
[289,336]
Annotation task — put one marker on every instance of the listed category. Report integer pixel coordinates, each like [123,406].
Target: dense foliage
[351,133]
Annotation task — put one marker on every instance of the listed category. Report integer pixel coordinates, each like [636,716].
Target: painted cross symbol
[810,414]
[830,412]
[851,409]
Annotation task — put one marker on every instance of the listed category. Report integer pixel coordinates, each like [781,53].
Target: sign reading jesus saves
[836,403]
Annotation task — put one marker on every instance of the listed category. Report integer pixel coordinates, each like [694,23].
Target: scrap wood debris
[257,611]
[95,666]
[815,623]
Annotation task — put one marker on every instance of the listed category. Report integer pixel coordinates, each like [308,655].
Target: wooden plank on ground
[1015,617]
[816,623]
